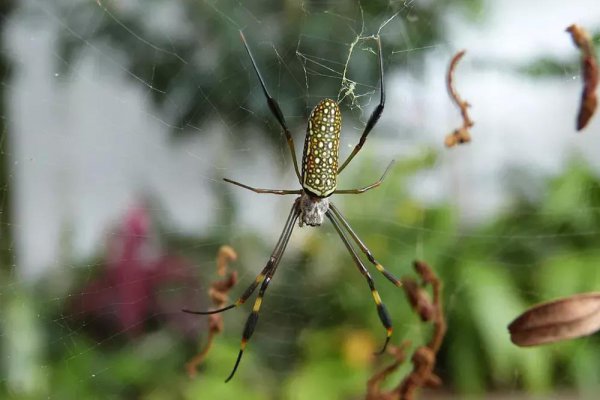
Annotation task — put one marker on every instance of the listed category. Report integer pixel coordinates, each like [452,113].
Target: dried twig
[225,255]
[589,68]
[218,292]
[562,319]
[460,135]
[424,357]
[374,384]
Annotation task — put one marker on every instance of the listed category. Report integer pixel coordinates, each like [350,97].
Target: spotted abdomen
[320,158]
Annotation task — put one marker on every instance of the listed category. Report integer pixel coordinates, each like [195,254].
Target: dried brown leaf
[561,319]
[219,295]
[419,300]
[374,391]
[225,255]
[589,68]
[460,135]
[424,357]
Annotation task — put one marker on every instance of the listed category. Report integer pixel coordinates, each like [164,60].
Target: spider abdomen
[320,158]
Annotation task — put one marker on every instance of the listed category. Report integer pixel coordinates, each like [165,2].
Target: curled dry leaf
[425,272]
[460,135]
[225,255]
[424,357]
[218,293]
[589,68]
[422,375]
[561,319]
[374,383]
[419,300]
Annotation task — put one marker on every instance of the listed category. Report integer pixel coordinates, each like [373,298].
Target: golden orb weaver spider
[318,181]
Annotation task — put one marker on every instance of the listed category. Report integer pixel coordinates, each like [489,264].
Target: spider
[319,181]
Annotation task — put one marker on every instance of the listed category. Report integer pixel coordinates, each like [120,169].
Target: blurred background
[119,120]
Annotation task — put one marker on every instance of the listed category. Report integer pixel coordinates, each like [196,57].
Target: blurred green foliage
[536,250]
[319,321]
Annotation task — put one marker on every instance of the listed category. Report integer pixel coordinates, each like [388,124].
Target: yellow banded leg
[384,316]
[268,275]
[381,309]
[271,264]
[247,293]
[363,247]
[251,323]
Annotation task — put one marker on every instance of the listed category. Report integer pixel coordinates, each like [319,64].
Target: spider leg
[251,323]
[369,187]
[271,264]
[253,317]
[257,190]
[374,115]
[363,247]
[381,309]
[275,109]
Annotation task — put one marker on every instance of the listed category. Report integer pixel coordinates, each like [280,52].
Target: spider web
[105,154]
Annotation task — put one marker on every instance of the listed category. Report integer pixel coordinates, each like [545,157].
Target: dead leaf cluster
[219,295]
[424,357]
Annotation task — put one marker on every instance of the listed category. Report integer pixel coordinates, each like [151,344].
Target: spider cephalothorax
[312,209]
[319,181]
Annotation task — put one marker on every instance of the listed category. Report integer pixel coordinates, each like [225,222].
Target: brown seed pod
[557,320]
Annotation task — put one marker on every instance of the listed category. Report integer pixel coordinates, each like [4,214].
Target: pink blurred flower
[139,284]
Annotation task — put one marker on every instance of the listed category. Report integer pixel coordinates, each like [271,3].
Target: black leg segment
[363,247]
[253,317]
[374,115]
[381,309]
[275,109]
[273,261]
